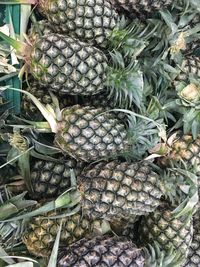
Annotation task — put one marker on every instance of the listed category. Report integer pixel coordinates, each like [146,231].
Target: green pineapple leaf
[125,82]
[14,205]
[54,253]
[131,38]
[181,187]
[155,257]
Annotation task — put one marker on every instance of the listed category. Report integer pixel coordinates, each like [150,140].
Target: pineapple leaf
[54,253]
[169,21]
[131,39]
[14,205]
[125,82]
[5,257]
[155,257]
[48,115]
[61,202]
[181,187]
[22,264]
[19,46]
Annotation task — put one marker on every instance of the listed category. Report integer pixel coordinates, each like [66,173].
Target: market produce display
[101,166]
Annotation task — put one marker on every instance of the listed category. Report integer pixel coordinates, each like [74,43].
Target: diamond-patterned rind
[187,149]
[102,251]
[193,259]
[190,65]
[52,178]
[66,65]
[162,227]
[91,21]
[88,135]
[141,7]
[40,238]
[119,190]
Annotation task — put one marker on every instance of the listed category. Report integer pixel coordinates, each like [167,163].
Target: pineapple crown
[130,38]
[187,104]
[23,50]
[181,189]
[157,258]
[175,30]
[144,133]
[125,82]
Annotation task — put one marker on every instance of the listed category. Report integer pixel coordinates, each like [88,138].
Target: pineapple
[168,231]
[102,251]
[114,251]
[193,259]
[51,178]
[40,238]
[87,135]
[119,190]
[182,147]
[40,28]
[92,21]
[171,224]
[95,22]
[29,110]
[66,65]
[141,8]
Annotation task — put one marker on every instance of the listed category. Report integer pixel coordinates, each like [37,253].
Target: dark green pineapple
[107,251]
[51,178]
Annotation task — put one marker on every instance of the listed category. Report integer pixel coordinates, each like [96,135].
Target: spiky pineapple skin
[168,231]
[102,252]
[141,7]
[42,27]
[192,48]
[40,238]
[50,179]
[67,65]
[187,149]
[91,21]
[88,135]
[119,190]
[193,259]
[190,66]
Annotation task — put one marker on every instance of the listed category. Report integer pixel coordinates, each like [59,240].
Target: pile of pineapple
[101,168]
